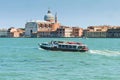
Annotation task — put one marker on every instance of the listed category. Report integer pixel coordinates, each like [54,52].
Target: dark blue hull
[61,49]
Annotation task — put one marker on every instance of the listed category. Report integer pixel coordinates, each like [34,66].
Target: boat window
[79,47]
[44,44]
[66,46]
[74,46]
[63,46]
[83,46]
[59,46]
[70,46]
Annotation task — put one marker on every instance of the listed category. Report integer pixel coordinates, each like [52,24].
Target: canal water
[22,59]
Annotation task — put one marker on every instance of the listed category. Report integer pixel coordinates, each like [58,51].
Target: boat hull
[61,49]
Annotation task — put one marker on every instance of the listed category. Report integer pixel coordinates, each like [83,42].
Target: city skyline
[82,13]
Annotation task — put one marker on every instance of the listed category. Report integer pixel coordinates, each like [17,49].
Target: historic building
[113,33]
[77,32]
[50,27]
[3,32]
[102,32]
[42,28]
[96,31]
[64,31]
[13,32]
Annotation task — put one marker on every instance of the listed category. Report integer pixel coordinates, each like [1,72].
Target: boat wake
[105,52]
[16,48]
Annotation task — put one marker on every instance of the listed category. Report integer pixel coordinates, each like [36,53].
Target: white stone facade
[3,32]
[30,27]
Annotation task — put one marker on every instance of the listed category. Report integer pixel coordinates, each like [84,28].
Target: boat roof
[70,43]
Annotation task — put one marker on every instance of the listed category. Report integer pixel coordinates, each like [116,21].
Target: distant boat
[64,46]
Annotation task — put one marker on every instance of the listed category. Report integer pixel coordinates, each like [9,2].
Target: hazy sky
[83,13]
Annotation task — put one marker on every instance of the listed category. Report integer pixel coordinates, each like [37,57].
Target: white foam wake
[105,52]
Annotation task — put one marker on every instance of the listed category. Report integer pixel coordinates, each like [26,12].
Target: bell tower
[56,18]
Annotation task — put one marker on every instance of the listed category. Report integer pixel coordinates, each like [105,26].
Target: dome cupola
[49,16]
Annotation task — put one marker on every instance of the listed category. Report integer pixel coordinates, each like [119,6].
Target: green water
[22,59]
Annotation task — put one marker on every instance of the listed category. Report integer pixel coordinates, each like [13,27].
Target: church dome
[49,16]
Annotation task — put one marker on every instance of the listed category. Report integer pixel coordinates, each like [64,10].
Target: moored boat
[64,46]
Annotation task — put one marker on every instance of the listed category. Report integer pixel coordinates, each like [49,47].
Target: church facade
[50,27]
[50,24]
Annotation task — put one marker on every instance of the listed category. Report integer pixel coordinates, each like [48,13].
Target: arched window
[31,31]
[41,25]
[45,25]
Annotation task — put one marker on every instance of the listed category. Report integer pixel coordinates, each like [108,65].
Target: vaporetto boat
[64,46]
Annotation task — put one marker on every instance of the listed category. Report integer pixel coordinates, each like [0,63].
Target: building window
[49,25]
[41,25]
[45,25]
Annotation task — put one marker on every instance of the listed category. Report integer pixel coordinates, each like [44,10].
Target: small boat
[64,46]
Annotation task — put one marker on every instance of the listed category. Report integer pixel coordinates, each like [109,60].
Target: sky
[82,13]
